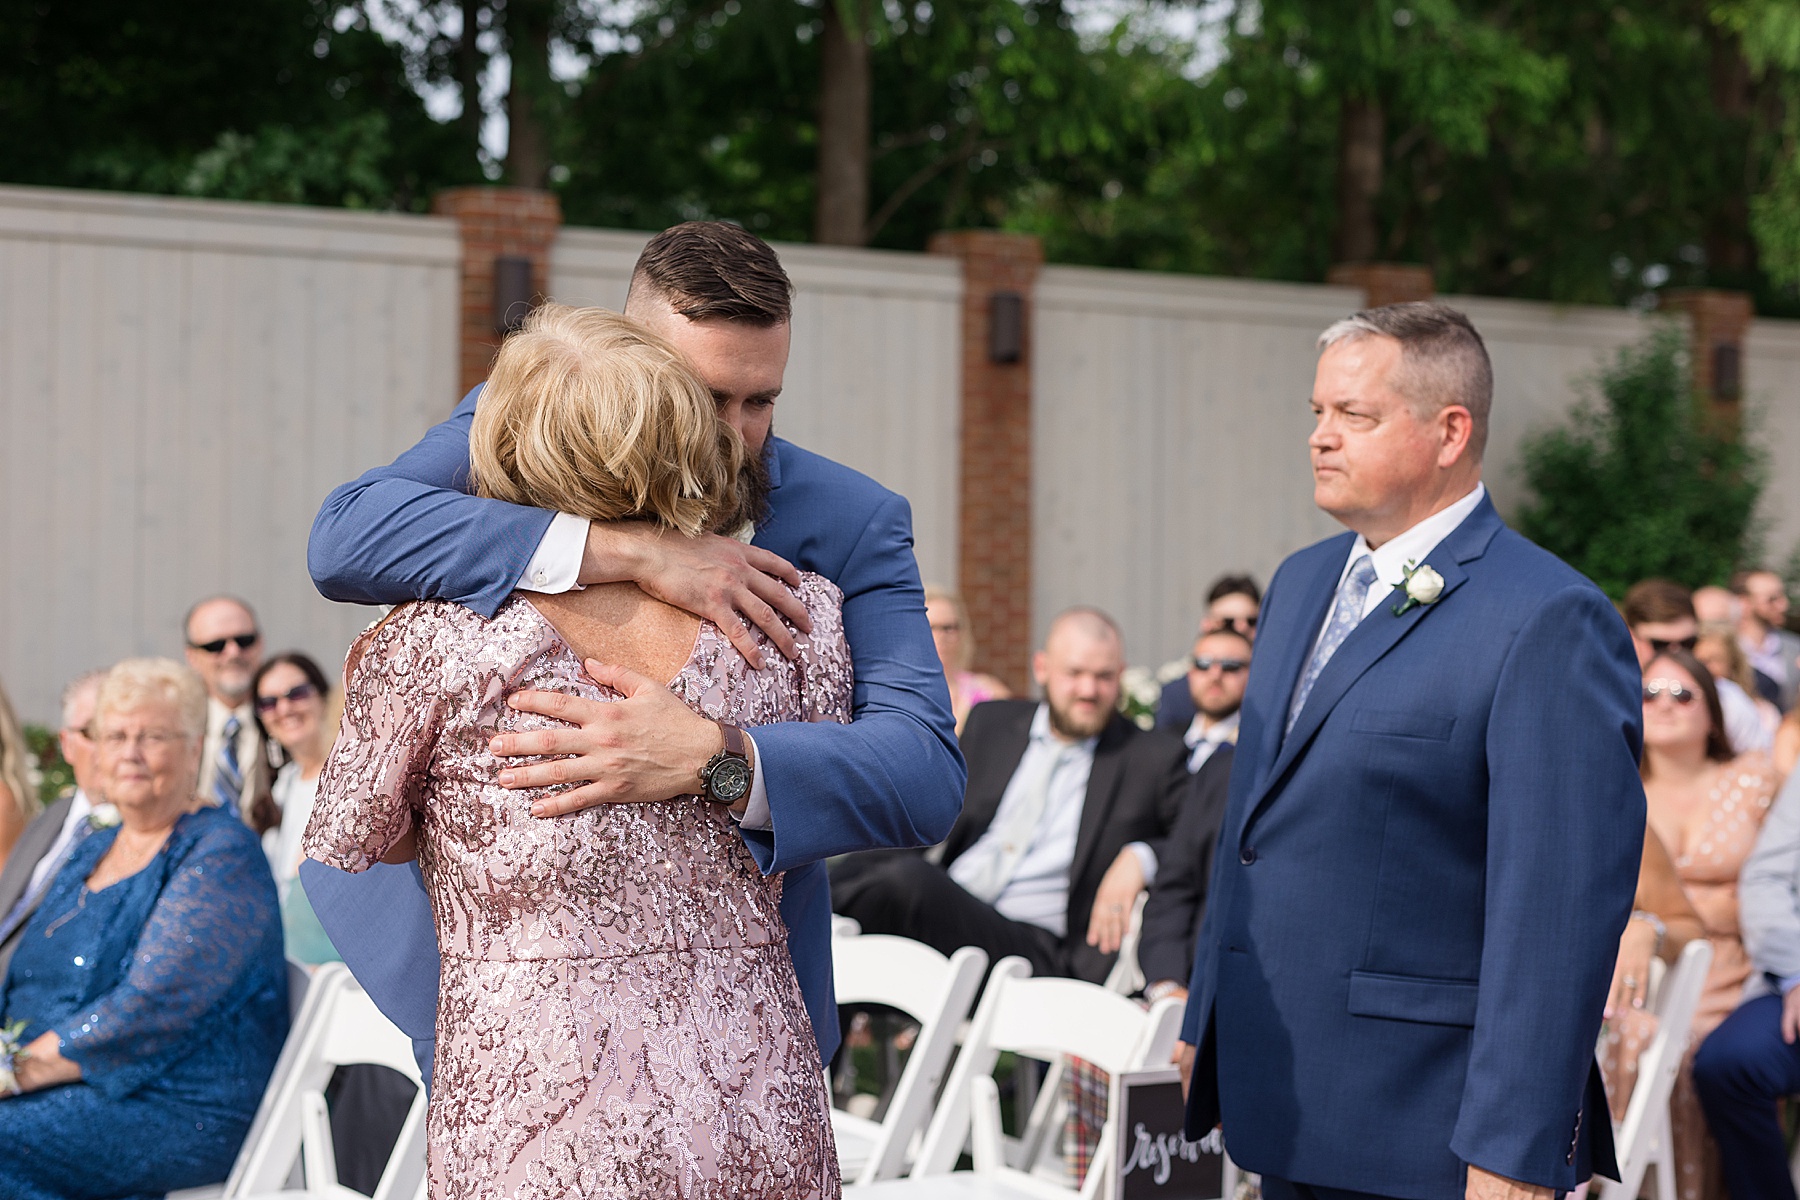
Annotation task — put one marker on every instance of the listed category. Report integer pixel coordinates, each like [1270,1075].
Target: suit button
[1247,855]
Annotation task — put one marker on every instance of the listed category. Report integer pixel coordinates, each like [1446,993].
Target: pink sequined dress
[618,1015]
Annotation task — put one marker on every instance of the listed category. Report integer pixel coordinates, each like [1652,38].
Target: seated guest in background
[1707,805]
[150,980]
[1773,652]
[1232,603]
[1215,680]
[1719,652]
[1067,806]
[1662,924]
[956,650]
[1660,614]
[1177,901]
[1714,605]
[18,803]
[1751,1062]
[294,721]
[224,647]
[49,839]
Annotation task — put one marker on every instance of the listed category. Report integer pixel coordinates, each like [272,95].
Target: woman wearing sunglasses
[1706,805]
[291,698]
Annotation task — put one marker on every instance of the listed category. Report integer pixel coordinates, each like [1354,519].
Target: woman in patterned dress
[1706,805]
[618,1014]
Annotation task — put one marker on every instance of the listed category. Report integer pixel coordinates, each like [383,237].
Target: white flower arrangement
[9,1053]
[1421,585]
[1139,692]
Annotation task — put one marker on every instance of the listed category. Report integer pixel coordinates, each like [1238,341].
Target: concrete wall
[181,382]
[872,378]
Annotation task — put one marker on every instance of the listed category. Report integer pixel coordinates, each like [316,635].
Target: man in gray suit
[1750,1062]
[44,846]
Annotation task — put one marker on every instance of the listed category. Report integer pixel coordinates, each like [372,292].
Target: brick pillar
[1717,321]
[1000,271]
[495,222]
[1384,283]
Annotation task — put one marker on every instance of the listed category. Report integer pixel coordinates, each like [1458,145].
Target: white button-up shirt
[1409,548]
[1204,739]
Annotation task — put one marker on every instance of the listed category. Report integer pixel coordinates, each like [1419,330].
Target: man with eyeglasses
[1215,679]
[1660,615]
[45,845]
[224,647]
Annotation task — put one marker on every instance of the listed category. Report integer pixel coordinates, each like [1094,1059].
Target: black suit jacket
[1133,793]
[30,849]
[1178,897]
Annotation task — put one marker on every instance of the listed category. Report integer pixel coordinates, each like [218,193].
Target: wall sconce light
[1727,373]
[1006,327]
[513,293]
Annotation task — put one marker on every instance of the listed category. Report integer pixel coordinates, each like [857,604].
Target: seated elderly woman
[150,982]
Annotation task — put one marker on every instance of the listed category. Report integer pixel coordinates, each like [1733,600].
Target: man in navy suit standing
[892,778]
[1435,818]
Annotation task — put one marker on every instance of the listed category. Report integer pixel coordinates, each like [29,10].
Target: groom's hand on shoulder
[649,746]
[1485,1185]
[720,579]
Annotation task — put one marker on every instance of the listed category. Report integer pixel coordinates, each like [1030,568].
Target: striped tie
[1345,617]
[228,782]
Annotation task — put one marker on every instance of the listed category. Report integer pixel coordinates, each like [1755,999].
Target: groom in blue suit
[1435,819]
[892,778]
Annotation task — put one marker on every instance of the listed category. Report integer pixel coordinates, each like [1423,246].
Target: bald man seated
[1067,810]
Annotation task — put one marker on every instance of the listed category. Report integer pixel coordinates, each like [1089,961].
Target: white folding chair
[290,1139]
[1042,1019]
[935,991]
[1126,976]
[1644,1138]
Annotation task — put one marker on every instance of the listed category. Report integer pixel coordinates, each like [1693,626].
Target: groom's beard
[753,495]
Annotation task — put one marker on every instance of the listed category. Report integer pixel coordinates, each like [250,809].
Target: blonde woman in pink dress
[619,1016]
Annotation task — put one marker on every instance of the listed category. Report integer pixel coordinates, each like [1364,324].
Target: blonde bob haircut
[586,412]
[146,682]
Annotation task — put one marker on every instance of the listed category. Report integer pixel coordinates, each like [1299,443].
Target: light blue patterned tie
[1352,594]
[228,782]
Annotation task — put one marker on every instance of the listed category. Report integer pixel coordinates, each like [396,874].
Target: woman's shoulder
[1753,774]
[212,831]
[441,640]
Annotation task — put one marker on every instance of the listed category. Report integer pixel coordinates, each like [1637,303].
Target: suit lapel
[1289,651]
[1104,778]
[1378,633]
[32,845]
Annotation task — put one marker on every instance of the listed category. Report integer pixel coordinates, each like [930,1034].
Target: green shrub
[54,773]
[1645,480]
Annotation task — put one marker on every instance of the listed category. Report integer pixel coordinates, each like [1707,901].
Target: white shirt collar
[1219,732]
[1413,545]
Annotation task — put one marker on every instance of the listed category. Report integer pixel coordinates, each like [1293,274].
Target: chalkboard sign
[1153,1160]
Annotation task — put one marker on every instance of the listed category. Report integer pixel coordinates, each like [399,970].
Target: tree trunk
[843,174]
[528,42]
[1730,249]
[1362,145]
[468,76]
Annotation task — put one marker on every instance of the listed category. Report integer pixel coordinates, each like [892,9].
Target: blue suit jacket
[1419,892]
[892,778]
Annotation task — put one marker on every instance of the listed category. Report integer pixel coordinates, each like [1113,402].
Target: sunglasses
[1230,666]
[1661,645]
[294,695]
[1236,622]
[1668,687]
[243,640]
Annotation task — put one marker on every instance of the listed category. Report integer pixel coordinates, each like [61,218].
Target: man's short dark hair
[1656,602]
[1740,580]
[1230,632]
[713,270]
[1234,585]
[1443,361]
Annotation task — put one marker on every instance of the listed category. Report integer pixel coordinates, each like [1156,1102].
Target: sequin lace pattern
[618,1015]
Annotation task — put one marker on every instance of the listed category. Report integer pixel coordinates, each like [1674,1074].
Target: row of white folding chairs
[1040,1019]
[288,1151]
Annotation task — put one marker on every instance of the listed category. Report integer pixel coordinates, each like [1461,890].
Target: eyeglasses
[294,695]
[1664,645]
[115,740]
[243,641]
[1668,687]
[1230,666]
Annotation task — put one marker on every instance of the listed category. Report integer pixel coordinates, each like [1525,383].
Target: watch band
[734,741]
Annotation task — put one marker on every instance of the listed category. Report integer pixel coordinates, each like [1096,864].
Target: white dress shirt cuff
[1788,983]
[756,808]
[557,564]
[1146,859]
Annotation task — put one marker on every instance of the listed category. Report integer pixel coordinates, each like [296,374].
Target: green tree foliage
[1645,481]
[271,100]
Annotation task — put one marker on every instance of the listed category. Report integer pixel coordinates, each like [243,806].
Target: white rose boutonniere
[103,816]
[1421,585]
[9,1053]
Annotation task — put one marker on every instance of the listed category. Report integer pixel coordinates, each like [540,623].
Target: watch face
[730,781]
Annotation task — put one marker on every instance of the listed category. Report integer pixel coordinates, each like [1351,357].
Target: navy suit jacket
[1419,892]
[894,777]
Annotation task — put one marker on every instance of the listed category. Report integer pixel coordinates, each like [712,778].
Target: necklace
[81,903]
